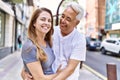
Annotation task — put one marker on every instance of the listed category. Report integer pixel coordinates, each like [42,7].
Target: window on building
[2,18]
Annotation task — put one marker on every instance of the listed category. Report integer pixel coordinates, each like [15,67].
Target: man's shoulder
[79,37]
[56,28]
[79,34]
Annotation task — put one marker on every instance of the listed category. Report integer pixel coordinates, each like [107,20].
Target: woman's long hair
[32,33]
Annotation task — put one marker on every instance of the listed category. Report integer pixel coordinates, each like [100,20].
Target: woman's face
[43,22]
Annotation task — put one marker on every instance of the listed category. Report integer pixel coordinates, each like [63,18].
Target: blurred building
[91,18]
[14,15]
[81,25]
[103,18]
[95,18]
[112,18]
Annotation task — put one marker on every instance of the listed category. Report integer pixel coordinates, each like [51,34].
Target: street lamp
[57,13]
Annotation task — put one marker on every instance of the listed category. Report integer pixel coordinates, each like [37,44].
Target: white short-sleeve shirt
[72,46]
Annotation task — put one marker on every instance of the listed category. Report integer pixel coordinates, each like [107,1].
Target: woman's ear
[34,24]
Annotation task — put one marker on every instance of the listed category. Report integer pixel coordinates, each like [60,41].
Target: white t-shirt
[72,46]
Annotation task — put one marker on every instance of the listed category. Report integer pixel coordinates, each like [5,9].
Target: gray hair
[78,9]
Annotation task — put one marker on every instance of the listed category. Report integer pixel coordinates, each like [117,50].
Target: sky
[51,4]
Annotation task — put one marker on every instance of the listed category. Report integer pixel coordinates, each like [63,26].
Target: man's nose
[63,20]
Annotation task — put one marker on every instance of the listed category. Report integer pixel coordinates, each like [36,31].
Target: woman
[37,54]
[19,41]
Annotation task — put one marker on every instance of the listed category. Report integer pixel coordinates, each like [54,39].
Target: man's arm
[72,64]
[26,75]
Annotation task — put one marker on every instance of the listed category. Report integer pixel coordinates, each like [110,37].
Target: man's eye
[62,16]
[68,19]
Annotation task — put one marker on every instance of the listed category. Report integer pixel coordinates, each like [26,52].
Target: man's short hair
[77,9]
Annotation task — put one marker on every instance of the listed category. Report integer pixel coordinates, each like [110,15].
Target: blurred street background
[100,24]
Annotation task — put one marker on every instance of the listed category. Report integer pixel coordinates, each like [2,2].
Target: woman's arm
[37,73]
[26,75]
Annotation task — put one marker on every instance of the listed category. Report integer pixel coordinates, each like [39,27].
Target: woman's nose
[47,22]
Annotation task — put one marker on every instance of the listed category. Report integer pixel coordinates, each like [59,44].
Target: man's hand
[68,70]
[26,76]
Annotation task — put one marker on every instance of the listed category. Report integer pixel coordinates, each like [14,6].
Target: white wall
[8,30]
[81,25]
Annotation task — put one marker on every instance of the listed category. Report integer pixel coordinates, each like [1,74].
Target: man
[68,44]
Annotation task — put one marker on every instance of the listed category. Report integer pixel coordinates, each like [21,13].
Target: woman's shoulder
[28,45]
[28,52]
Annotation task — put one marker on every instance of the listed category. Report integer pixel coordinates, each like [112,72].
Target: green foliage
[17,1]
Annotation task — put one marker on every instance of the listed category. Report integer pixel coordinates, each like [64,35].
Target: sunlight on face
[43,22]
[68,21]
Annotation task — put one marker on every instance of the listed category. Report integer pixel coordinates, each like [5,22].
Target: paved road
[98,61]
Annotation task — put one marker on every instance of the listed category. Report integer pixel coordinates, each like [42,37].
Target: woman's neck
[41,41]
[41,38]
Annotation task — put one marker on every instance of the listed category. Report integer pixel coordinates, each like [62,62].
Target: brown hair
[32,33]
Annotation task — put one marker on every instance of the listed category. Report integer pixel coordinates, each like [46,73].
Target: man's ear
[77,22]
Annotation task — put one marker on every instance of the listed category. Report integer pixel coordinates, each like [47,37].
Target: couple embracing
[54,54]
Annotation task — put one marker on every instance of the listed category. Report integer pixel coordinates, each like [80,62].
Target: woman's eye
[49,20]
[42,19]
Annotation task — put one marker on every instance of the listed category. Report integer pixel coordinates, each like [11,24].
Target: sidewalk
[11,65]
[86,73]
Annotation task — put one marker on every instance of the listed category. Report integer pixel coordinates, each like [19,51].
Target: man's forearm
[66,72]
[22,74]
[25,75]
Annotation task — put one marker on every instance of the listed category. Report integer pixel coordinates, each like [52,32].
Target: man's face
[68,21]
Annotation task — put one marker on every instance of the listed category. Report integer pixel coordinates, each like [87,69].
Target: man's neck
[66,34]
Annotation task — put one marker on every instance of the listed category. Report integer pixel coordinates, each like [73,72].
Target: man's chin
[62,27]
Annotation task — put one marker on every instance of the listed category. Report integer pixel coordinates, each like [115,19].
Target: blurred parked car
[93,43]
[110,45]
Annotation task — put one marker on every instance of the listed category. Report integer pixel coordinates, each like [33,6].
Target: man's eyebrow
[62,14]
